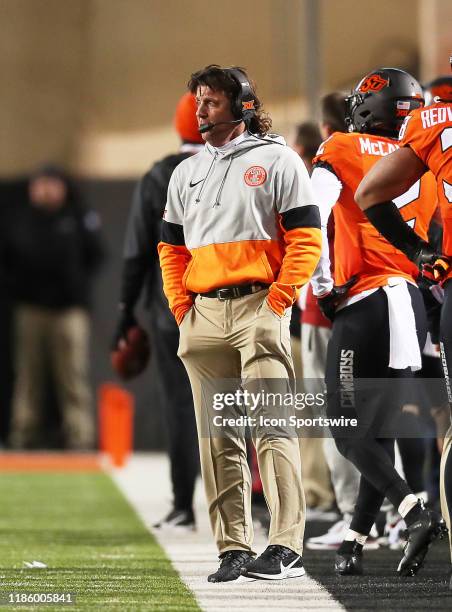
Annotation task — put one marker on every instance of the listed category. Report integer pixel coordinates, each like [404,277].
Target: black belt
[231,293]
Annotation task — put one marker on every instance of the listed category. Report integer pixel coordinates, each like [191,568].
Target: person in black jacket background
[141,269]
[49,251]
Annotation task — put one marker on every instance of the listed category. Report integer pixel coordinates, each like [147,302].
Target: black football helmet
[381,101]
[441,88]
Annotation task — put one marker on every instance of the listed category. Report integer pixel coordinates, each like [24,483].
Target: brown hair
[307,135]
[332,111]
[219,79]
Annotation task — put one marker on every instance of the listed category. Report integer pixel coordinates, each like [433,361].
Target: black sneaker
[275,563]
[349,559]
[182,520]
[420,534]
[232,563]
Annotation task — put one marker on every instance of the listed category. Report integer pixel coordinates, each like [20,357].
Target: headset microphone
[206,127]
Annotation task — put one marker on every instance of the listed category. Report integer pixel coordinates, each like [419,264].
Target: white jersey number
[406,198]
[446,143]
[446,139]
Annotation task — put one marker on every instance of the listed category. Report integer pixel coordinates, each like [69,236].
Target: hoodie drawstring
[217,199]
[238,153]
[203,184]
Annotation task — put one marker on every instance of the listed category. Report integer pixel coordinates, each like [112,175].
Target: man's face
[215,107]
[47,192]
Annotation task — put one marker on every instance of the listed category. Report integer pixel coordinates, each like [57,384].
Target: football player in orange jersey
[379,324]
[426,144]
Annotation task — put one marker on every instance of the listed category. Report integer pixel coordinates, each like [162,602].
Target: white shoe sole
[293,572]
[243,579]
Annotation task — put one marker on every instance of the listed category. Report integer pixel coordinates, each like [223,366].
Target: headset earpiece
[243,107]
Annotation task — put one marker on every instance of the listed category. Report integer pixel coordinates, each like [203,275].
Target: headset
[242,107]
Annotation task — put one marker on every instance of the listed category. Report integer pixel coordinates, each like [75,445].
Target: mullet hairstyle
[218,79]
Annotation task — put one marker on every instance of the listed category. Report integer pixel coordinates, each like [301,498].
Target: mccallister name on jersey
[242,215]
[370,146]
[358,247]
[428,132]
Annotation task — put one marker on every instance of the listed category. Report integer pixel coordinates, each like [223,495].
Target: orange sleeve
[302,253]
[334,153]
[414,136]
[174,260]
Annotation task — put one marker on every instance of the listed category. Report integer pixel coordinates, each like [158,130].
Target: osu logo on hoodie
[255,176]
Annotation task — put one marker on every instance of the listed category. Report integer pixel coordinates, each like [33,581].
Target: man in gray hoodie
[240,236]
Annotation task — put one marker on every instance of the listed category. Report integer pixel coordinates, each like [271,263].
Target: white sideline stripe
[145,484]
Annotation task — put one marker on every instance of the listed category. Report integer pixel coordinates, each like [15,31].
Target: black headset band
[246,91]
[246,99]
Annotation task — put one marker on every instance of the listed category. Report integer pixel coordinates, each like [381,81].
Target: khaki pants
[61,339]
[243,339]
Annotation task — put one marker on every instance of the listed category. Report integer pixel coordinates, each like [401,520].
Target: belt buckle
[220,294]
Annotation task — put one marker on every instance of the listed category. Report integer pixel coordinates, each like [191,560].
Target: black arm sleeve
[389,222]
[302,216]
[173,233]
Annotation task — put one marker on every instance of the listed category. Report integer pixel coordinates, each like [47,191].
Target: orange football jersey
[358,247]
[428,132]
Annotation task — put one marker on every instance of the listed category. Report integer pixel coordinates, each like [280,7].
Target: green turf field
[93,543]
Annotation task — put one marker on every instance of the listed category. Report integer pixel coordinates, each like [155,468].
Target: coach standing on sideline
[240,236]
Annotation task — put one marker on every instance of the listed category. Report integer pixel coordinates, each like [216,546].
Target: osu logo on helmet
[374,82]
[255,176]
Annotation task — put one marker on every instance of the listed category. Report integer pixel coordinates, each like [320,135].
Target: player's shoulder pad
[333,147]
[412,125]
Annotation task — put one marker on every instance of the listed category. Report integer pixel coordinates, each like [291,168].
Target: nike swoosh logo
[197,182]
[284,568]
